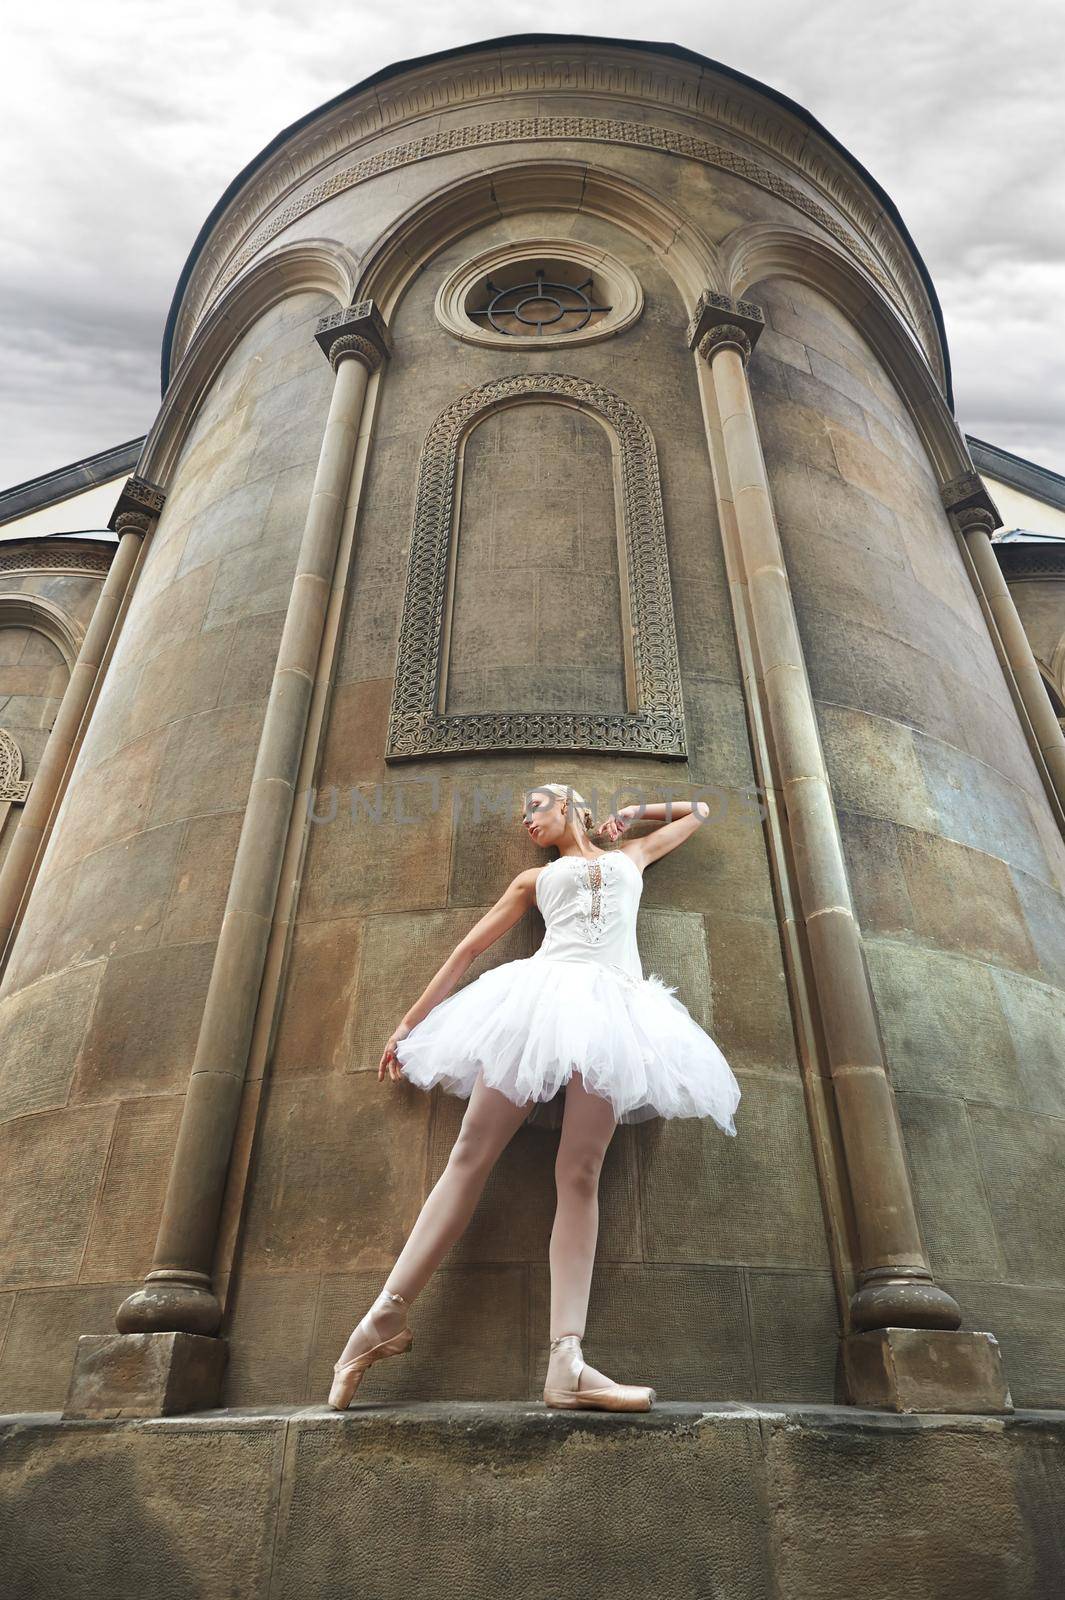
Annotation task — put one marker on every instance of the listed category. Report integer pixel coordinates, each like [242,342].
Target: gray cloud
[124,127]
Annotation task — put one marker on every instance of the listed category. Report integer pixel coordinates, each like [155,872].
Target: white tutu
[528,1024]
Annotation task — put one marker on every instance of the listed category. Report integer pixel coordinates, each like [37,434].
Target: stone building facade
[698,520]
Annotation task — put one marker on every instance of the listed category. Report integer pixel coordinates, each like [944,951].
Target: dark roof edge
[64,482]
[1020,474]
[517,40]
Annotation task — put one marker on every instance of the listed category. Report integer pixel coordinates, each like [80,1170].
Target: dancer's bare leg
[588,1125]
[488,1124]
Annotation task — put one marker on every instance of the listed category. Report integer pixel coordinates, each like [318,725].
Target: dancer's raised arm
[686,815]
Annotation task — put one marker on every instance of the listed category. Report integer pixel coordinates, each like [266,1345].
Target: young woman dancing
[579,1016]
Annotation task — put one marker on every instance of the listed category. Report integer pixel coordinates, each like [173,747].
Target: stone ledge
[530,1416]
[482,1500]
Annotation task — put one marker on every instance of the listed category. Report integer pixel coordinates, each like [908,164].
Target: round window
[532,298]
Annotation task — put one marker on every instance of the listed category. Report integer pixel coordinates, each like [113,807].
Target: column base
[145,1374]
[925,1369]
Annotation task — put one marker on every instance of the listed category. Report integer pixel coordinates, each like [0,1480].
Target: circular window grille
[541,303]
[533,298]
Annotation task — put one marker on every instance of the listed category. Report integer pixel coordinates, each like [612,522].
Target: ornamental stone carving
[719,320]
[358,331]
[138,498]
[848,215]
[655,726]
[13,786]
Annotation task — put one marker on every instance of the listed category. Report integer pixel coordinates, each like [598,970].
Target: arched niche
[760,251]
[322,265]
[654,722]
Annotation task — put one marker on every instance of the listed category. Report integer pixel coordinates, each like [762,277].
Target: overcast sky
[125,122]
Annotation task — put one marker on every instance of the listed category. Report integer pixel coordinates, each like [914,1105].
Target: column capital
[358,331]
[967,494]
[139,499]
[719,321]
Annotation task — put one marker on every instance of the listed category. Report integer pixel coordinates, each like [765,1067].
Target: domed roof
[517,41]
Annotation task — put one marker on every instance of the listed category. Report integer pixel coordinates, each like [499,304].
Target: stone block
[926,1369]
[50,1170]
[145,1374]
[874,768]
[977,806]
[386,850]
[41,1029]
[313,1033]
[794,1335]
[202,870]
[943,1025]
[471,1336]
[269,1331]
[1022,1160]
[1026,1319]
[751,1012]
[145,1023]
[42,1335]
[208,763]
[757,1196]
[128,1207]
[337,1174]
[964,900]
[948,1186]
[107,803]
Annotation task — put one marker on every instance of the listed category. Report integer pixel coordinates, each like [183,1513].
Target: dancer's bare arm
[511,906]
[686,816]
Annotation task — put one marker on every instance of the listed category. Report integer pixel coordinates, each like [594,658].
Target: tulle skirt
[527,1025]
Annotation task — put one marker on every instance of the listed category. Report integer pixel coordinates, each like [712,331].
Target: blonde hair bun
[566,791]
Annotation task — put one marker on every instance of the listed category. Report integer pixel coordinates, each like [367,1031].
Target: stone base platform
[701,1501]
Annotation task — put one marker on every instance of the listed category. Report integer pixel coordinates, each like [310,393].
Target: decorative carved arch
[13,786]
[690,257]
[305,265]
[655,725]
[763,250]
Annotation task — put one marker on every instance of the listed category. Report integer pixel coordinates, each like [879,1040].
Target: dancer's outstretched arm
[511,906]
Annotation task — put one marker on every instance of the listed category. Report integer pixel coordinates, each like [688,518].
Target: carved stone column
[887,1362]
[973,513]
[133,518]
[168,1359]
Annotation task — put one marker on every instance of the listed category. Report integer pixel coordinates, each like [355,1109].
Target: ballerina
[580,1018]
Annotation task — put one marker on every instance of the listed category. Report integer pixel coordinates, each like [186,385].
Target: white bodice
[589,909]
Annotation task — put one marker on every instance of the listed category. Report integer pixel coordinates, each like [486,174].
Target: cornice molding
[293,179]
[63,483]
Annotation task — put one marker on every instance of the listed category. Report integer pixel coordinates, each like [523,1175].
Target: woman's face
[543,818]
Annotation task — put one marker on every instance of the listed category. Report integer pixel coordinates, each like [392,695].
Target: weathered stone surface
[477,1498]
[144,1374]
[926,1369]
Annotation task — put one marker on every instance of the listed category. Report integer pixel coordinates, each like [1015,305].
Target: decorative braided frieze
[656,725]
[52,560]
[524,130]
[13,786]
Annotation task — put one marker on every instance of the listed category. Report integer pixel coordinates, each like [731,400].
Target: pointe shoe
[614,1397]
[348,1375]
